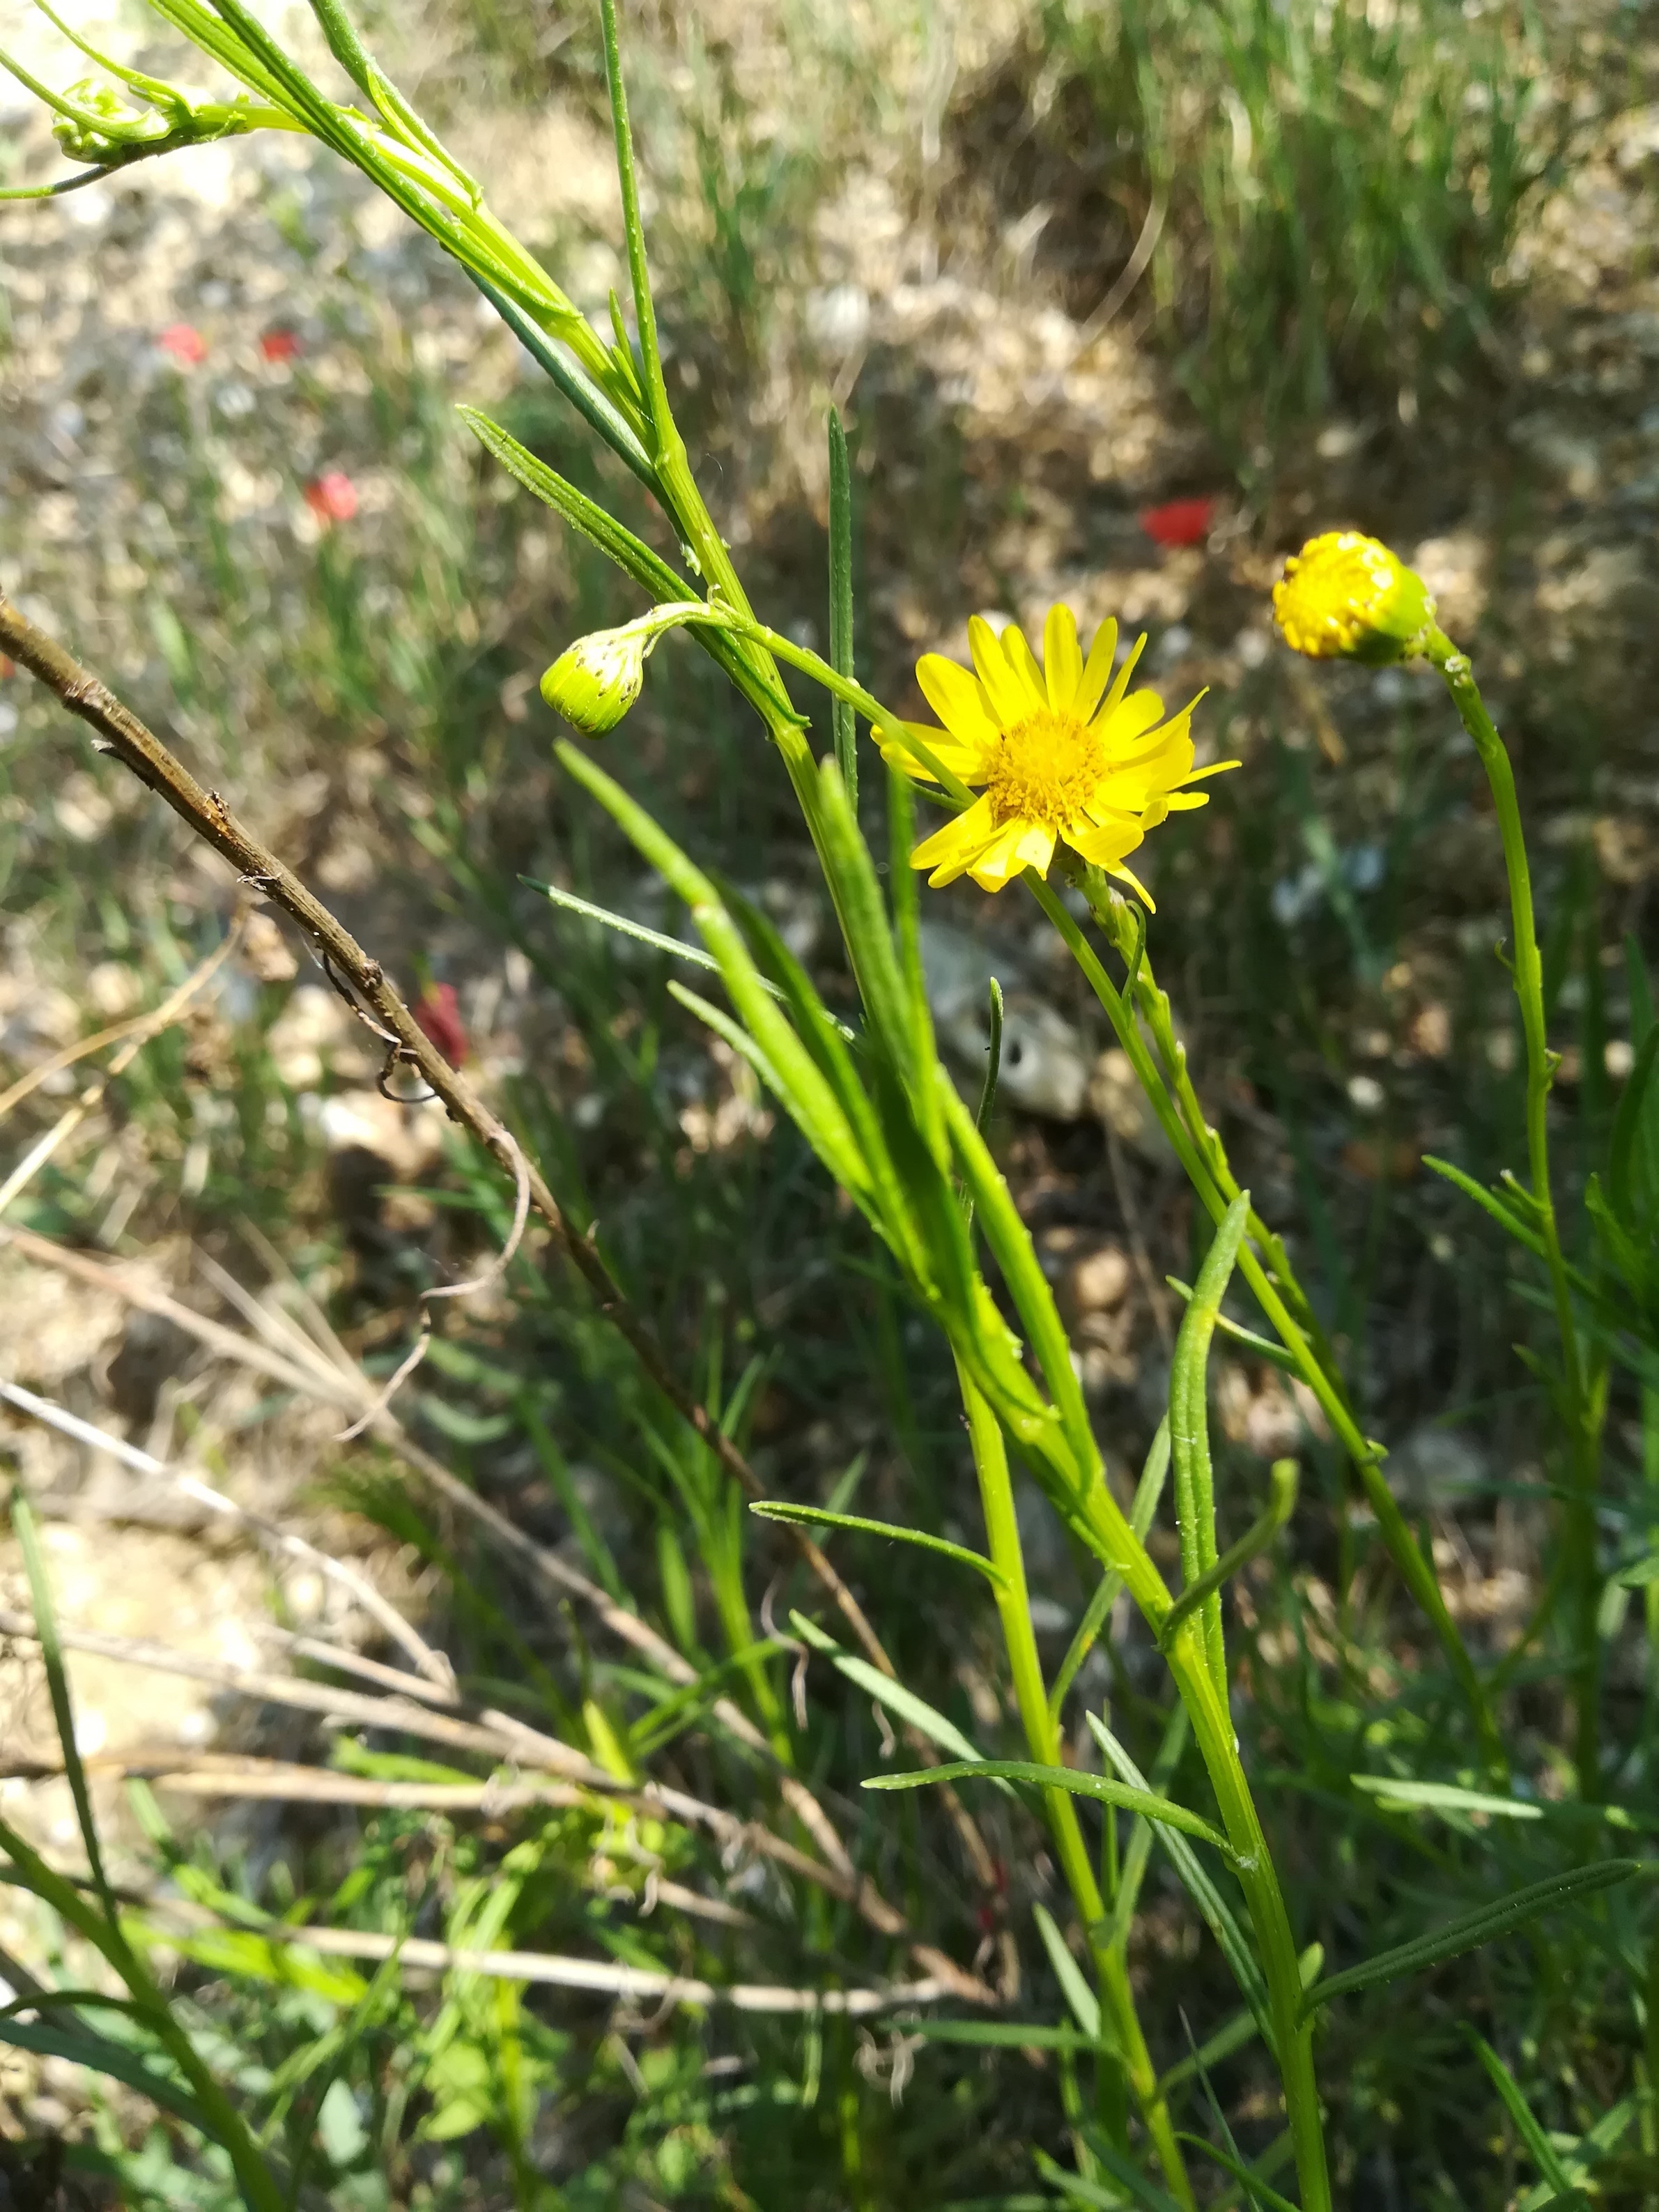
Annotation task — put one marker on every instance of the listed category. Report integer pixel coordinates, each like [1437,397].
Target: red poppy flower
[332,497]
[440,1015]
[280,344]
[1179,521]
[185,342]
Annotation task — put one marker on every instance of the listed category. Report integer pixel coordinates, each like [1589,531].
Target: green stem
[1583,1428]
[1042,1738]
[1212,1728]
[1415,1570]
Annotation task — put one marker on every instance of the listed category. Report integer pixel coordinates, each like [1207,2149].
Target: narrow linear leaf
[1085,2005]
[1508,1222]
[1444,1798]
[1099,1787]
[63,1710]
[1189,1438]
[1002,2034]
[84,2047]
[842,721]
[1195,1880]
[1539,2146]
[1263,1346]
[632,554]
[675,947]
[773,1509]
[1258,2191]
[905,1703]
[1134,2188]
[1472,1930]
[1142,1513]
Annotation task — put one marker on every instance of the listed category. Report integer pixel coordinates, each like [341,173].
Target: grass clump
[1328,192]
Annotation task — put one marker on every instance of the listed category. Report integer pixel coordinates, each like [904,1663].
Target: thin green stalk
[1526,970]
[843,722]
[1189,1661]
[1042,1738]
[1415,1570]
[1126,929]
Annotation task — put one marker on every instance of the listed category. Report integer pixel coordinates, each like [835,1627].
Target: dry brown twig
[119,731]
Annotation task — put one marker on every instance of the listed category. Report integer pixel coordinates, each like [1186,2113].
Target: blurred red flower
[1179,521]
[185,342]
[332,497]
[280,344]
[438,1014]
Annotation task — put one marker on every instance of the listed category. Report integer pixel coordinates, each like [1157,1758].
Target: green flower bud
[593,682]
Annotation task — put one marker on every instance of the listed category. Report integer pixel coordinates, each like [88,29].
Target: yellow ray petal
[1011,703]
[1163,767]
[1121,682]
[1105,843]
[1097,670]
[1121,723]
[955,696]
[953,849]
[1017,846]
[961,759]
[1128,876]
[1017,652]
[1062,659]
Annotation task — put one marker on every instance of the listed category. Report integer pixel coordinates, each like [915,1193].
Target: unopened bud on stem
[1345,596]
[593,682]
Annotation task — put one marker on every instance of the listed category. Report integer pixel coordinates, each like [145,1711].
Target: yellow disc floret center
[1045,769]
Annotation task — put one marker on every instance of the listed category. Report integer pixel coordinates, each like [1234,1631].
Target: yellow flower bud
[1346,596]
[593,682]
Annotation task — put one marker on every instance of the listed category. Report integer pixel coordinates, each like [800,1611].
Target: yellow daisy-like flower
[1055,752]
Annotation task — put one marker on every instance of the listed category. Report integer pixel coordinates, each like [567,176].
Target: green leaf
[1488,1202]
[1085,2005]
[1281,1504]
[773,1509]
[1444,1798]
[631,554]
[675,947]
[842,721]
[1003,2034]
[1134,2186]
[1142,1513]
[85,2047]
[1098,1787]
[63,1712]
[1195,1880]
[1190,1436]
[1539,2146]
[1628,1125]
[1471,1930]
[800,1084]
[1254,2187]
[1262,1346]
